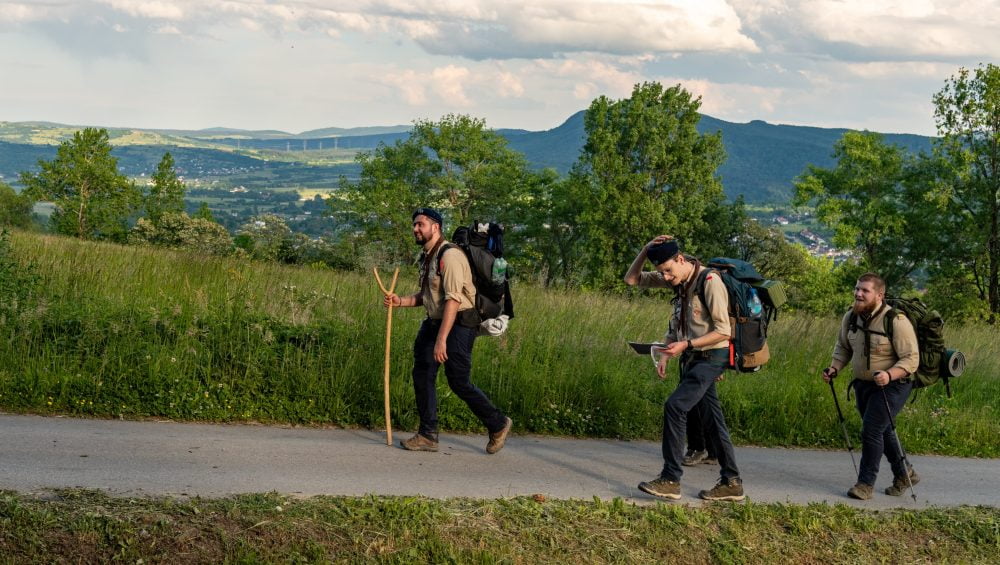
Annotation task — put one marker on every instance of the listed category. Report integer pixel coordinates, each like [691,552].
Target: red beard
[864,308]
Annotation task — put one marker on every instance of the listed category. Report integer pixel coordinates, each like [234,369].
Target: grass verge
[90,527]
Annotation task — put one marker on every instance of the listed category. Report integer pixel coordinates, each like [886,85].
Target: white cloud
[873,30]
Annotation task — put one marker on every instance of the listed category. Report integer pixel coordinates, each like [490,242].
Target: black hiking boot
[731,490]
[900,484]
[662,488]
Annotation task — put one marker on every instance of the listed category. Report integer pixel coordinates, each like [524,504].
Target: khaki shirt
[455,282]
[703,318]
[901,352]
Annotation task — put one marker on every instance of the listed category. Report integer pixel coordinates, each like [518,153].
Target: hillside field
[110,331]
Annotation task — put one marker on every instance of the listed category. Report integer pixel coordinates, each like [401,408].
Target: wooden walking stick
[388,342]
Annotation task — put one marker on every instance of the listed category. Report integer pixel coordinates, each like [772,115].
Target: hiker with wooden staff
[446,336]
[388,342]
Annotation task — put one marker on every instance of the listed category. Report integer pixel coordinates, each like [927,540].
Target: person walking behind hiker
[699,335]
[881,369]
[443,338]
[698,449]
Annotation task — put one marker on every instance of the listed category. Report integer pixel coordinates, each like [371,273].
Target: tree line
[922,220]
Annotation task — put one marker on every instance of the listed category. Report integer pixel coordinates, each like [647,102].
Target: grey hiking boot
[731,490]
[900,484]
[860,491]
[419,443]
[710,461]
[498,439]
[662,488]
[693,457]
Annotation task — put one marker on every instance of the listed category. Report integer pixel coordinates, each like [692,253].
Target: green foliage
[265,236]
[93,200]
[19,283]
[645,170]
[166,193]
[456,165]
[476,175]
[864,201]
[204,212]
[547,249]
[967,112]
[177,230]
[15,209]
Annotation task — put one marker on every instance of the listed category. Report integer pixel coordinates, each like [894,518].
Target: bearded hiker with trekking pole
[882,363]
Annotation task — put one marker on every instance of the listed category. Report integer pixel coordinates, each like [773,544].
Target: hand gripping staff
[843,424]
[388,342]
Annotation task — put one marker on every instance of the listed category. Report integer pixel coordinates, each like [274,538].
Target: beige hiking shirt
[884,354]
[703,318]
[455,282]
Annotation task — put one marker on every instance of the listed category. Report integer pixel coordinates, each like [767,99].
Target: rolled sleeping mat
[952,363]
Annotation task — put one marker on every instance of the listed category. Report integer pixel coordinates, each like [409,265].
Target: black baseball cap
[430,213]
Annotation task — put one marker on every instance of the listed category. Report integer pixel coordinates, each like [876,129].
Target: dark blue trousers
[457,369]
[876,432]
[697,386]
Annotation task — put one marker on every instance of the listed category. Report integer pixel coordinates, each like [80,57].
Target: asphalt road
[148,458]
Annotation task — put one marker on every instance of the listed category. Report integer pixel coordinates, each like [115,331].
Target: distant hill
[763,159]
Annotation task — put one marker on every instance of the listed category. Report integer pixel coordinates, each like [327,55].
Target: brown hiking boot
[661,488]
[710,461]
[498,439]
[860,491]
[419,443]
[725,490]
[900,484]
[693,457]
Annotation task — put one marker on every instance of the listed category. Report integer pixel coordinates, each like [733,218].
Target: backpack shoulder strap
[440,256]
[699,284]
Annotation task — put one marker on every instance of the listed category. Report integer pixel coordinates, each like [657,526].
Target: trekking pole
[843,426]
[899,444]
[388,343]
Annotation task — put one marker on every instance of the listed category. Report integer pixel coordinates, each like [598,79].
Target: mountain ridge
[762,161]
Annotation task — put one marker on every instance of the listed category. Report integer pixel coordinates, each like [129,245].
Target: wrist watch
[689,344]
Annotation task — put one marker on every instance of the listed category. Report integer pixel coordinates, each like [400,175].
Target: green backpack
[936,362]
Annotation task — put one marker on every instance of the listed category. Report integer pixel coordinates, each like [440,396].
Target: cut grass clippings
[90,527]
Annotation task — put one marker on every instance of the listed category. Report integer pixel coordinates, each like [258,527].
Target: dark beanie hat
[663,252]
[430,213]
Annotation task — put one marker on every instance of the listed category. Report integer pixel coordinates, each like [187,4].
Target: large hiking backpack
[482,243]
[936,362]
[753,304]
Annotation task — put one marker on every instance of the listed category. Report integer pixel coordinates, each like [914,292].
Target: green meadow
[102,330]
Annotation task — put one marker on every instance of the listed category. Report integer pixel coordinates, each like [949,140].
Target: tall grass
[134,332]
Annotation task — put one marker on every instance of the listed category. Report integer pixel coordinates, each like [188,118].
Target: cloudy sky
[296,65]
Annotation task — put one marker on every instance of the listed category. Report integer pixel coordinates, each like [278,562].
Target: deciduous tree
[647,171]
[93,199]
[15,209]
[166,193]
[967,113]
[863,198]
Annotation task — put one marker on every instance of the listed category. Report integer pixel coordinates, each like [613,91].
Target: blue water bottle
[754,303]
